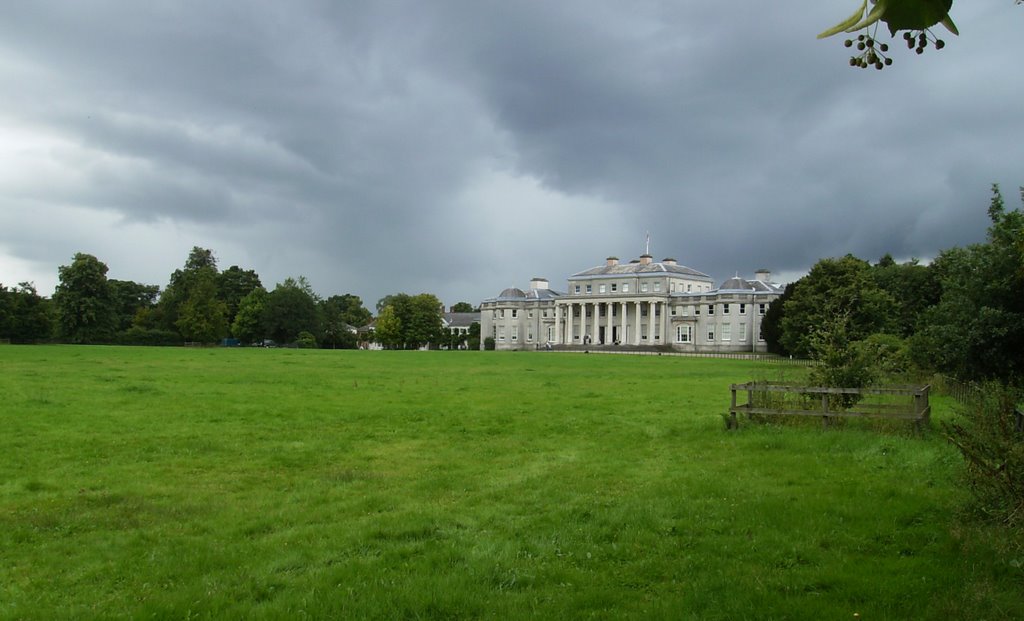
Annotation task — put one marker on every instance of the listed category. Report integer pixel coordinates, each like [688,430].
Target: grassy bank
[143,482]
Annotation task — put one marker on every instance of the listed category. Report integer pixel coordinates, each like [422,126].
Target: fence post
[824,409]
[732,409]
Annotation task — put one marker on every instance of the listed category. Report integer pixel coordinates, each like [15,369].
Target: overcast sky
[462,147]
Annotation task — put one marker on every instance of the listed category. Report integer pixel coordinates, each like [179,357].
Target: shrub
[985,432]
[489,343]
[306,340]
[888,354]
[142,336]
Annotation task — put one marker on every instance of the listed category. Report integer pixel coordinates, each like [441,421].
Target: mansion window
[743,331]
[743,309]
[760,309]
[602,289]
[515,313]
[727,332]
[657,286]
[529,334]
[529,314]
[577,288]
[501,333]
[590,288]
[725,309]
[711,309]
[711,334]
[684,334]
[515,333]
[625,287]
[643,288]
[551,333]
[614,287]
[689,288]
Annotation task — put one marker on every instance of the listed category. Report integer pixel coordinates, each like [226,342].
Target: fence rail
[778,399]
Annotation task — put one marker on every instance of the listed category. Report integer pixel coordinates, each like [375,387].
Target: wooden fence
[776,399]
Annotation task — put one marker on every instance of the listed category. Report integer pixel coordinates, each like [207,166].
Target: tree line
[204,304]
[961,315]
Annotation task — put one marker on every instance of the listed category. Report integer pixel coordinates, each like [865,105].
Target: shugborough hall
[636,305]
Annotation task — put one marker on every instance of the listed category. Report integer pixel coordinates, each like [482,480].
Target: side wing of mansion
[642,303]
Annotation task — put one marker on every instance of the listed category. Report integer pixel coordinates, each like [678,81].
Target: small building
[459,324]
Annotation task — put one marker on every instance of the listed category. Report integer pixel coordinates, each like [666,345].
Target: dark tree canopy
[25,316]
[976,331]
[289,310]
[833,288]
[233,284]
[84,302]
[418,320]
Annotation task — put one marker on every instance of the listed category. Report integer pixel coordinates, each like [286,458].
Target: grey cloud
[341,140]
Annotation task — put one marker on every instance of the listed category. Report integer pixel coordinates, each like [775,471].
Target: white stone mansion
[642,303]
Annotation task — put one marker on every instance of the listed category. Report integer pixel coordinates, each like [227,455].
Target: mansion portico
[640,303]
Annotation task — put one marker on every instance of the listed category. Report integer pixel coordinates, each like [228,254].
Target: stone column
[597,324]
[651,322]
[636,323]
[558,323]
[583,321]
[622,320]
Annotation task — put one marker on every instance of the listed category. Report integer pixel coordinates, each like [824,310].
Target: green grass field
[245,483]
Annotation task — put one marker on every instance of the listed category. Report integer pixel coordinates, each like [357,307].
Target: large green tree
[913,287]
[233,284]
[131,298]
[976,331]
[25,316]
[419,317]
[835,287]
[203,316]
[388,329]
[771,326]
[248,324]
[290,309]
[84,302]
[201,263]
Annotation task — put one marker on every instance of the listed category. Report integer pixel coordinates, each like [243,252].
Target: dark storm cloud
[461,148]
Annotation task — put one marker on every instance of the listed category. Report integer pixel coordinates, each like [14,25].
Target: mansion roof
[638,269]
[741,284]
[513,294]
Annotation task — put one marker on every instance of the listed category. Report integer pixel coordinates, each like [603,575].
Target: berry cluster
[919,41]
[872,53]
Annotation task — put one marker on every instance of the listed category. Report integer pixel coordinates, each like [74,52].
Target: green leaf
[950,26]
[915,14]
[846,23]
[881,8]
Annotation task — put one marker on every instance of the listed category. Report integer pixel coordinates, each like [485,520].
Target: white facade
[638,304]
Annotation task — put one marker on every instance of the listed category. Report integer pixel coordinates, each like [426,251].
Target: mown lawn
[243,483]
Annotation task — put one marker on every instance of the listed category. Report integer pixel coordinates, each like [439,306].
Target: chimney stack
[669,261]
[646,259]
[610,261]
[763,275]
[539,283]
